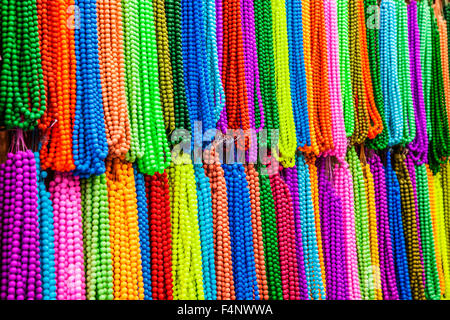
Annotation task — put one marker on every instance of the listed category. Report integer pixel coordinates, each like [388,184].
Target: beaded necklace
[410,227]
[361,226]
[46,234]
[389,72]
[164,65]
[432,286]
[186,248]
[205,221]
[372,14]
[22,92]
[96,241]
[144,237]
[110,52]
[385,245]
[313,270]
[252,177]
[442,27]
[344,64]
[58,63]
[69,261]
[297,74]
[332,235]
[124,231]
[221,224]
[266,65]
[158,204]
[446,193]
[404,75]
[269,225]
[89,139]
[286,237]
[242,251]
[343,184]
[419,146]
[396,226]
[291,179]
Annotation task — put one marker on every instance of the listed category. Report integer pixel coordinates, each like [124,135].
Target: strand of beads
[58,62]
[266,64]
[409,227]
[332,234]
[205,221]
[164,65]
[255,201]
[242,251]
[124,231]
[442,27]
[144,238]
[96,241]
[22,92]
[313,270]
[269,225]
[404,75]
[386,255]
[344,64]
[158,202]
[389,72]
[69,262]
[419,146]
[111,59]
[343,184]
[286,236]
[446,215]
[361,225]
[291,179]
[432,285]
[186,248]
[396,226]
[222,239]
[46,235]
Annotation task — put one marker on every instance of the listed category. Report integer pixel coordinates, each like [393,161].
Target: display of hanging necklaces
[372,15]
[111,58]
[96,241]
[389,72]
[186,248]
[252,177]
[368,123]
[266,65]
[419,146]
[298,75]
[442,27]
[385,247]
[89,139]
[124,231]
[269,225]
[361,226]
[222,238]
[396,226]
[164,65]
[205,221]
[334,80]
[158,204]
[343,184]
[68,226]
[332,233]
[410,227]
[46,234]
[404,76]
[22,92]
[313,270]
[58,63]
[439,141]
[290,176]
[432,285]
[344,64]
[144,236]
